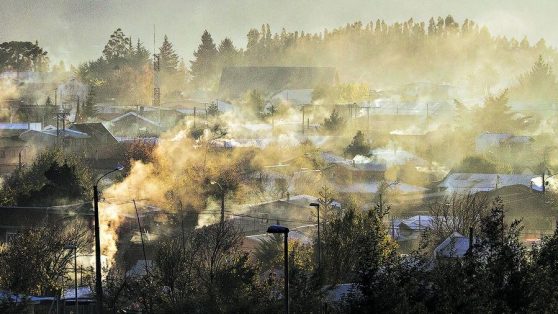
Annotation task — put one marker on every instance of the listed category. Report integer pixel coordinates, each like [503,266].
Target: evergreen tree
[538,85]
[335,122]
[358,146]
[89,110]
[204,65]
[141,54]
[118,47]
[168,58]
[496,107]
[228,54]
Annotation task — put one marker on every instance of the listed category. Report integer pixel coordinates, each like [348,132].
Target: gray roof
[463,183]
[456,245]
[237,80]
[417,223]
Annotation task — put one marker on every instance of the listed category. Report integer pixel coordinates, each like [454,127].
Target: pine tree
[168,58]
[89,110]
[141,54]
[539,84]
[118,46]
[358,146]
[204,66]
[228,54]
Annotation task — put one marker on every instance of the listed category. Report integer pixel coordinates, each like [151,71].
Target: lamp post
[222,200]
[317,205]
[285,232]
[74,247]
[98,279]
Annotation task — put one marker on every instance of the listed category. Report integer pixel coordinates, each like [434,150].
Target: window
[10,236]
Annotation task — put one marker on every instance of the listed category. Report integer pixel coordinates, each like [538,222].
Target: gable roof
[133,114]
[456,245]
[95,130]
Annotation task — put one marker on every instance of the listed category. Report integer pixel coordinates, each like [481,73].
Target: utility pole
[368,123]
[302,119]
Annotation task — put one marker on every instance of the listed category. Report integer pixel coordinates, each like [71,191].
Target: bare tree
[457,213]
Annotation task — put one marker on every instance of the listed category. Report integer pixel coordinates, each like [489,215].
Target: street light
[98,279]
[317,205]
[285,232]
[222,200]
[74,247]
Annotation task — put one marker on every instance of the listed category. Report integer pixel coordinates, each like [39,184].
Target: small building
[14,219]
[502,141]
[463,183]
[132,124]
[294,96]
[70,140]
[101,144]
[456,245]
[355,170]
[395,157]
[15,129]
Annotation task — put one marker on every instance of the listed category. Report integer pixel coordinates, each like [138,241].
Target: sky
[77,30]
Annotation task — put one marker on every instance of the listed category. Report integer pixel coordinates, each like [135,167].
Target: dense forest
[378,54]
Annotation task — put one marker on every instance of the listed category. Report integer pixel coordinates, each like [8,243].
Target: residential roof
[396,156]
[95,129]
[487,140]
[271,79]
[463,183]
[115,120]
[238,143]
[139,268]
[456,245]
[49,132]
[358,163]
[20,126]
[374,186]
[83,293]
[295,96]
[418,222]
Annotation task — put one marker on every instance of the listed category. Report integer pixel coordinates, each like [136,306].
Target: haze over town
[257,156]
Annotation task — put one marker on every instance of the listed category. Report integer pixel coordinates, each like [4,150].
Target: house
[14,152]
[70,140]
[101,144]
[15,129]
[237,80]
[132,124]
[294,96]
[502,141]
[353,170]
[463,183]
[395,157]
[292,211]
[427,91]
[374,186]
[14,219]
[456,245]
